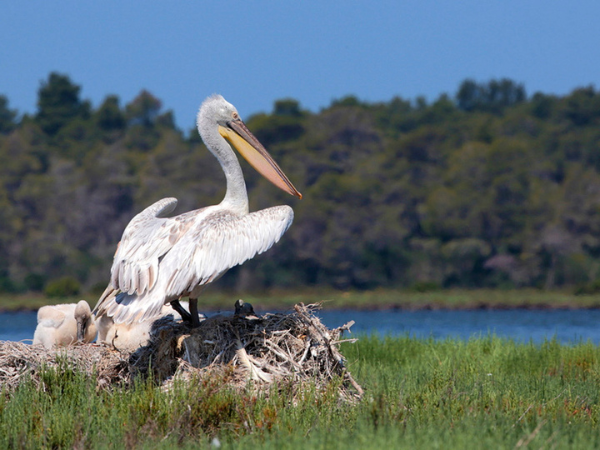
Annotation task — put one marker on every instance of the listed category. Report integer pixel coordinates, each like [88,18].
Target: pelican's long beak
[244,141]
[80,330]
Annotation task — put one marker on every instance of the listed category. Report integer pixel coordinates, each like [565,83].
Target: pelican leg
[181,310]
[195,320]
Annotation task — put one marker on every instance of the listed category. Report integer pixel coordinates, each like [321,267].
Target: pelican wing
[218,240]
[145,240]
[221,241]
[53,316]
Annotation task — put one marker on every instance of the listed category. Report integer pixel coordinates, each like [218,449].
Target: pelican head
[244,309]
[216,112]
[83,317]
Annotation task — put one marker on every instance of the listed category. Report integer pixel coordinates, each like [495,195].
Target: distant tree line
[488,188]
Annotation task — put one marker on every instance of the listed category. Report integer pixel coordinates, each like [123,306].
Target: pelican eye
[235,116]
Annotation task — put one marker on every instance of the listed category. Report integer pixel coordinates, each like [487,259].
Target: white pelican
[130,336]
[62,325]
[162,259]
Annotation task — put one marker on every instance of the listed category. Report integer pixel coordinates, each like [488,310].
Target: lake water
[567,326]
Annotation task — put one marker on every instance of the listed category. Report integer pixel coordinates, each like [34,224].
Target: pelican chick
[131,336]
[63,325]
[244,310]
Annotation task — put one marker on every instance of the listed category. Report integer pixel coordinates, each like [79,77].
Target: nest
[20,362]
[292,347]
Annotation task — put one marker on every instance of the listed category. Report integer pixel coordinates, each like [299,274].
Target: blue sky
[254,52]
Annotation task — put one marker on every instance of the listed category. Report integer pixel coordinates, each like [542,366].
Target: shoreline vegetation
[482,393]
[277,300]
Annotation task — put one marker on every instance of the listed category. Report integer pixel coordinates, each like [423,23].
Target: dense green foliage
[484,393]
[489,188]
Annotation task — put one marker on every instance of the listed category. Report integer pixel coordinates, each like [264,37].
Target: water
[569,326]
[17,326]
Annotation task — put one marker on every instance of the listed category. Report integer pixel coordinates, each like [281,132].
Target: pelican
[130,336]
[244,309]
[62,325]
[161,259]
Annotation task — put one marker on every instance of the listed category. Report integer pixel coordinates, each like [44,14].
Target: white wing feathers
[53,316]
[146,238]
[223,240]
[160,260]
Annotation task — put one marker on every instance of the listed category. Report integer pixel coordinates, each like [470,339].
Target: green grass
[482,393]
[450,299]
